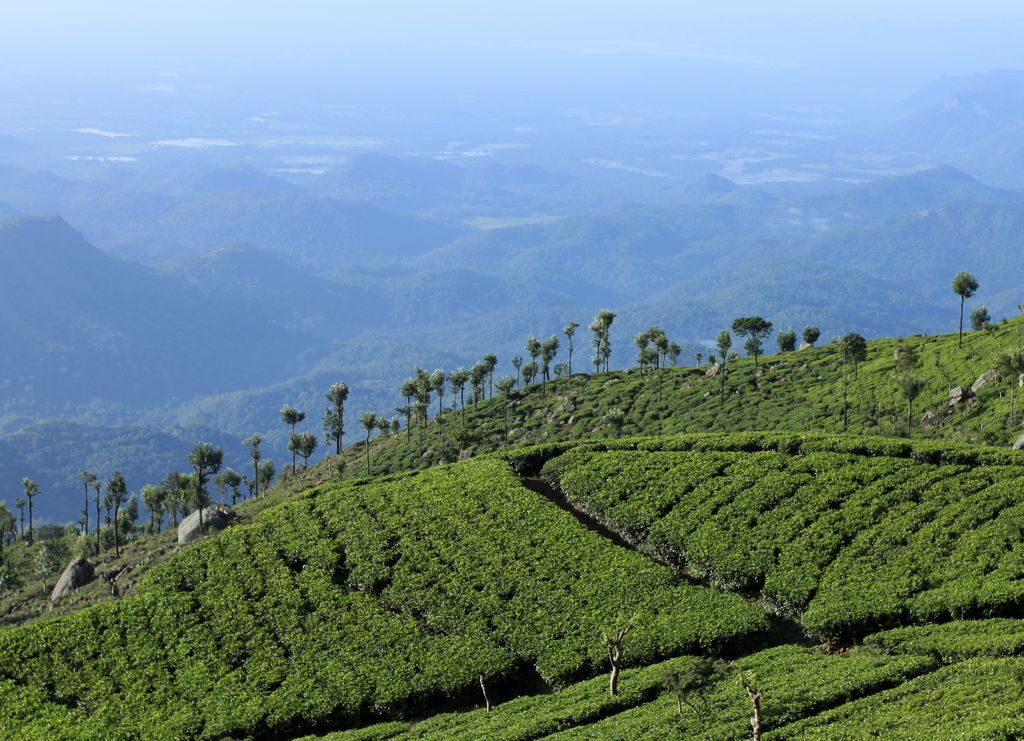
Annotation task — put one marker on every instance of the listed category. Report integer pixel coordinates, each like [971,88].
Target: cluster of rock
[966,394]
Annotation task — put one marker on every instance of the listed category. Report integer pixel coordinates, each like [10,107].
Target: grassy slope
[364,600]
[30,601]
[796,392]
[847,534]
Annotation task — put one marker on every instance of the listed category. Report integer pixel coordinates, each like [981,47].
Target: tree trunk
[97,524]
[341,428]
[293,467]
[846,386]
[31,536]
[755,704]
[483,688]
[613,682]
[86,510]
[960,338]
[117,548]
[368,451]
[570,361]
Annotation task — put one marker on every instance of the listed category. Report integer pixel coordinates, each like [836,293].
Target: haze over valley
[187,245]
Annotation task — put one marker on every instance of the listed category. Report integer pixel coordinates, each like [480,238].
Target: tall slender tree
[477,376]
[228,478]
[422,401]
[153,499]
[910,387]
[265,475]
[7,523]
[490,362]
[176,488]
[529,373]
[291,416]
[206,460]
[31,492]
[306,443]
[533,349]
[117,493]
[673,353]
[642,340]
[87,478]
[659,342]
[369,422]
[965,285]
[457,380]
[569,331]
[506,385]
[1011,367]
[334,417]
[437,385]
[20,504]
[517,363]
[601,329]
[409,392]
[548,351]
[723,342]
[854,350]
[254,441]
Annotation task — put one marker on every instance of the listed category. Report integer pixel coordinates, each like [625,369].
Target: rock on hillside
[78,573]
[215,517]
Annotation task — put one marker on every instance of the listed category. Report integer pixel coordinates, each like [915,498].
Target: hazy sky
[897,45]
[53,27]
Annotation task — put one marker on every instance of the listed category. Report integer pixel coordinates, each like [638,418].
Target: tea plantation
[847,535]
[860,584]
[360,601]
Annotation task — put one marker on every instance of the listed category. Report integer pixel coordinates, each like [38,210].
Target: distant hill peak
[49,233]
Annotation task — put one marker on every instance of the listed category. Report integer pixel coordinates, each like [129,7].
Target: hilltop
[796,391]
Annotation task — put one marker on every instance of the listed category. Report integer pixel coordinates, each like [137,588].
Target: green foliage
[363,599]
[795,683]
[756,330]
[850,535]
[786,340]
[977,699]
[799,682]
[955,640]
[980,318]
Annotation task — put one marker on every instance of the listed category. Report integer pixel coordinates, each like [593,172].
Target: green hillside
[376,604]
[364,600]
[795,392]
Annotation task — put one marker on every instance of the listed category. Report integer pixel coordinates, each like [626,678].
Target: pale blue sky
[902,43]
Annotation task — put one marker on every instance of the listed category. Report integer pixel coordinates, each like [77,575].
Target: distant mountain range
[308,289]
[971,121]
